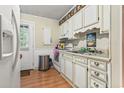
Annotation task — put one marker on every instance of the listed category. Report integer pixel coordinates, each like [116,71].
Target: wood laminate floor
[47,79]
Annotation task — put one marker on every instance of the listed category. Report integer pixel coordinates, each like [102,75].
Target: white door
[27,44]
[80,76]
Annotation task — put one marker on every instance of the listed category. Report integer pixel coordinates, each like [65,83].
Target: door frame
[122,45]
[33,28]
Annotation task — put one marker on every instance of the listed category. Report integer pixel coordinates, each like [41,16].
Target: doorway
[27,44]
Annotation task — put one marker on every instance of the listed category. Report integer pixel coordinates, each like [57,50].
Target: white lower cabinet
[80,76]
[68,69]
[94,83]
[84,72]
[98,74]
[62,66]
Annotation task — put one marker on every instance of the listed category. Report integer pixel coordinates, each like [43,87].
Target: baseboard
[73,86]
[56,67]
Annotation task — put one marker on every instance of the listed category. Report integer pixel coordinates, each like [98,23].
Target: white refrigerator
[9,46]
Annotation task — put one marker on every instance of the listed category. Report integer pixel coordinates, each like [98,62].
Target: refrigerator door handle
[17,39]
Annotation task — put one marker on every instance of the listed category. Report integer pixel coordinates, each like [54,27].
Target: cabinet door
[68,69]
[62,31]
[78,20]
[70,28]
[105,18]
[65,29]
[90,15]
[62,66]
[80,76]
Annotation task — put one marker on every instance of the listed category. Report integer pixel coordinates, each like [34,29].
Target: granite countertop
[99,57]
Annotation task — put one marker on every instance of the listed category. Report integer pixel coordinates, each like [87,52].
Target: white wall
[40,23]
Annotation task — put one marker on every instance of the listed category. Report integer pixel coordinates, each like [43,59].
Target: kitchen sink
[73,51]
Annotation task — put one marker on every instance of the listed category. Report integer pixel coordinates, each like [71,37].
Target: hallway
[48,79]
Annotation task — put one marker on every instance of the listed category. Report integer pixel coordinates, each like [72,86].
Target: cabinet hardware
[98,18]
[97,64]
[87,69]
[96,73]
[96,85]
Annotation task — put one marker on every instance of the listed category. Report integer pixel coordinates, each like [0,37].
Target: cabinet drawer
[98,75]
[97,84]
[80,60]
[98,64]
[68,57]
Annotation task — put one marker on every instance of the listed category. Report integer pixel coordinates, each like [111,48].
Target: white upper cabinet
[104,18]
[70,28]
[65,29]
[61,31]
[91,15]
[78,20]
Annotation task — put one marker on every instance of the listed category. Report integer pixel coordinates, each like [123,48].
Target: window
[24,37]
[47,36]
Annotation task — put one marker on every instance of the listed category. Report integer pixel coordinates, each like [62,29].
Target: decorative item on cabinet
[91,39]
[61,45]
[71,13]
[78,7]
[75,10]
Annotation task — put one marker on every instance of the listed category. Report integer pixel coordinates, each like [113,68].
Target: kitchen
[87,37]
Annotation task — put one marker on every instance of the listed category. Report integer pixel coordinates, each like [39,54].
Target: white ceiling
[49,11]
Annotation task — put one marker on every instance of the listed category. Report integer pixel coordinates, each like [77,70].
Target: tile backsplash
[102,42]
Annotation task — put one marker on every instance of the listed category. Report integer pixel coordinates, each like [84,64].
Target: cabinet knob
[96,73]
[20,56]
[96,85]
[97,64]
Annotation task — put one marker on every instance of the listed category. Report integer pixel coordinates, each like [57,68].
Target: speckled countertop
[98,57]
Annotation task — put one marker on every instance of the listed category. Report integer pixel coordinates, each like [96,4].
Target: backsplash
[102,42]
